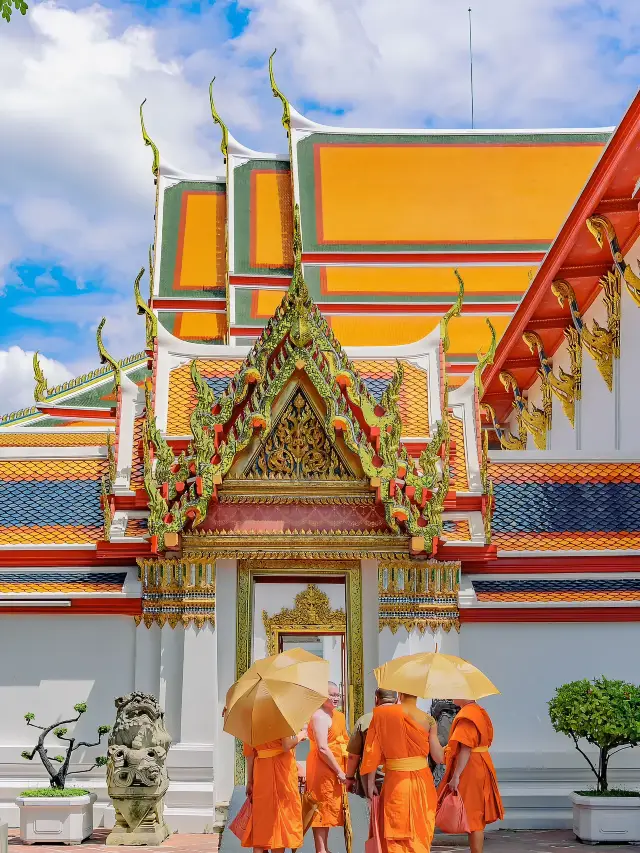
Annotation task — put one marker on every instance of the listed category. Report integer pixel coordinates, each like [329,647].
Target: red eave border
[556,564]
[549,614]
[82,607]
[78,414]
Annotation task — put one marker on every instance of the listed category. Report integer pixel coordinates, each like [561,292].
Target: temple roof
[385,215]
[51,501]
[562,507]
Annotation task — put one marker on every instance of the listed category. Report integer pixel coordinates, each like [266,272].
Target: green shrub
[54,792]
[602,712]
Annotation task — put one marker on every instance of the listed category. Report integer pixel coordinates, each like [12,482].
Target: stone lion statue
[137,777]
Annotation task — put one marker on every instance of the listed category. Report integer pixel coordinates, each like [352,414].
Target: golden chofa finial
[454,311]
[224,142]
[286,112]
[105,358]
[485,360]
[40,391]
[155,168]
[143,308]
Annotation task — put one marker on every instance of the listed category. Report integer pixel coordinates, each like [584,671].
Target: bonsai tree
[58,774]
[604,713]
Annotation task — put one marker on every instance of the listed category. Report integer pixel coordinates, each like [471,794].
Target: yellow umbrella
[432,675]
[276,697]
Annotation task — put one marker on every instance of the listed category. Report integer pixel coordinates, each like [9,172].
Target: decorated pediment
[298,447]
[296,409]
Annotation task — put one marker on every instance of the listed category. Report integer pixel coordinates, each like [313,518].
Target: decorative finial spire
[454,311]
[224,143]
[40,391]
[286,112]
[155,168]
[105,358]
[143,308]
[485,360]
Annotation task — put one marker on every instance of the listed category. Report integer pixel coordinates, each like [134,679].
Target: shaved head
[334,696]
[386,697]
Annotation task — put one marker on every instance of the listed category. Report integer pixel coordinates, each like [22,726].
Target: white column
[147,659]
[370,629]
[199,688]
[171,661]
[225,642]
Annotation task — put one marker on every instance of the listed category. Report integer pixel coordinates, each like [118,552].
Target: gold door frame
[248,570]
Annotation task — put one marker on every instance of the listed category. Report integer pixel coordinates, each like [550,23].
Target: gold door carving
[311,614]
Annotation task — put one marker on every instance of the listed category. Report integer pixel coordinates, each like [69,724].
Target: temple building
[388,400]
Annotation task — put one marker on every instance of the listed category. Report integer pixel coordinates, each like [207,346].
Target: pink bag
[451,816]
[241,821]
[372,844]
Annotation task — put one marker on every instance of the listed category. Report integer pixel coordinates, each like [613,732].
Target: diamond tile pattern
[413,400]
[459,474]
[137,461]
[31,439]
[54,501]
[552,590]
[456,531]
[558,507]
[136,527]
[65,582]
[182,396]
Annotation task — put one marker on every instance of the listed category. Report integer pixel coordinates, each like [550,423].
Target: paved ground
[177,843]
[505,841]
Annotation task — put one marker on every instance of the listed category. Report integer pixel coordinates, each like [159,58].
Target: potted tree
[605,714]
[58,813]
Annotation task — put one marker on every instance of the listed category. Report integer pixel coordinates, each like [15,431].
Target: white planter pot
[65,820]
[606,818]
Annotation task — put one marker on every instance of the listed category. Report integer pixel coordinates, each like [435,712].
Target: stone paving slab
[503,841]
[176,843]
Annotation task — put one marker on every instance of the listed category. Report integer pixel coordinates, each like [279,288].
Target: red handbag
[241,821]
[451,816]
[372,844]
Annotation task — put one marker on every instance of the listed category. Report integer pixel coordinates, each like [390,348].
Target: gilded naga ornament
[602,230]
[143,308]
[508,441]
[603,345]
[534,420]
[565,386]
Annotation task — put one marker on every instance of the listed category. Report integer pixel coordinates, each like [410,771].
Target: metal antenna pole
[471,65]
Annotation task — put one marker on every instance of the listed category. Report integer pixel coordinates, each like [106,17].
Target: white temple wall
[49,664]
[537,768]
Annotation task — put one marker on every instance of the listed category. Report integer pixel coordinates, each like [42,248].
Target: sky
[76,189]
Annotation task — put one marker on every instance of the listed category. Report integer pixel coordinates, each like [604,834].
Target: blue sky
[76,203]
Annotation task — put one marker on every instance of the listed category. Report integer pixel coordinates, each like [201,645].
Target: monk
[272,786]
[470,770]
[326,765]
[408,799]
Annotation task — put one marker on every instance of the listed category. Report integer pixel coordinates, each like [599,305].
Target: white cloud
[77,192]
[16,377]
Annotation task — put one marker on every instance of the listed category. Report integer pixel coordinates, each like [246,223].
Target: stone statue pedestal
[139,821]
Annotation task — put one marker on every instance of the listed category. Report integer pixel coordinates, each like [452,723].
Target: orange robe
[322,782]
[408,799]
[276,814]
[478,787]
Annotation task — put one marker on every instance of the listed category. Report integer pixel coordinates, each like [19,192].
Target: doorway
[330,646]
[318,606]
